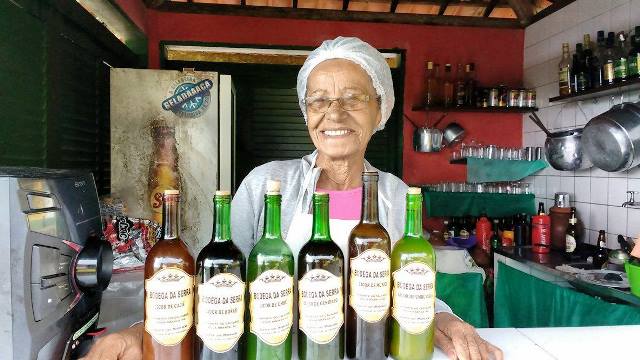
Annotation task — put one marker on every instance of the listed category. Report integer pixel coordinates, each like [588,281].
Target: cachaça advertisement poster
[164,135]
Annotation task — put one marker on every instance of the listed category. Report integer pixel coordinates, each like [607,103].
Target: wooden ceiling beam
[523,10]
[337,15]
[394,5]
[489,9]
[443,7]
[557,5]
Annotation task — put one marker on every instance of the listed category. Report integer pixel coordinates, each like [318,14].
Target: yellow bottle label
[321,305]
[168,305]
[220,312]
[570,243]
[271,306]
[414,295]
[609,72]
[369,284]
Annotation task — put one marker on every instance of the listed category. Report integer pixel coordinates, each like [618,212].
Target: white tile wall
[596,194]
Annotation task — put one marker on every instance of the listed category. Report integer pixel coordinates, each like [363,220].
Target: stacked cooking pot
[609,141]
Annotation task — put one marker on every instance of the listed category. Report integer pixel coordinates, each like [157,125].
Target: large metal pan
[612,139]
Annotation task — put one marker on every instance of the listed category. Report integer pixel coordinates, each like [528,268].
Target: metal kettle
[427,139]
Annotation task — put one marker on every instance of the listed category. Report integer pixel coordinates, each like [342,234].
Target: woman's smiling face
[338,133]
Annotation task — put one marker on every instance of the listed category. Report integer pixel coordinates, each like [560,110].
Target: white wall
[597,194]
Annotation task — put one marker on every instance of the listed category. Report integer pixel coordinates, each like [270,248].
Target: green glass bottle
[320,290]
[220,290]
[413,271]
[270,270]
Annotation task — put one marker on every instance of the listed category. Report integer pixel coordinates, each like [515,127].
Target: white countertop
[584,343]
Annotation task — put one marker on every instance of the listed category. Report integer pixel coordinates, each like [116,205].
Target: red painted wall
[136,11]
[497,54]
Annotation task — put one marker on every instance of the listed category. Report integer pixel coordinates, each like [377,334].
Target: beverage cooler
[169,130]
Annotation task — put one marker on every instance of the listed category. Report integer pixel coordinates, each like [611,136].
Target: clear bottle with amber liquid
[164,173]
[168,291]
[564,72]
[270,270]
[369,280]
[413,269]
[320,290]
[220,290]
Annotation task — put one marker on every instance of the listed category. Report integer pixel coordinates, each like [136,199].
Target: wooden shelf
[494,109]
[601,91]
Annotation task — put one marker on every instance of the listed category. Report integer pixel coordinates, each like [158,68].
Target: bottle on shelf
[413,265]
[446,235]
[483,234]
[541,232]
[447,87]
[608,61]
[541,209]
[454,229]
[575,70]
[621,69]
[465,228]
[601,254]
[595,68]
[168,290]
[432,85]
[320,289]
[369,279]
[559,214]
[564,72]
[571,237]
[526,224]
[470,85]
[439,84]
[460,87]
[518,230]
[270,270]
[220,290]
[583,82]
[507,233]
[633,58]
[495,235]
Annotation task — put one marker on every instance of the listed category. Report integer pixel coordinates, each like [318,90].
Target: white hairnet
[361,53]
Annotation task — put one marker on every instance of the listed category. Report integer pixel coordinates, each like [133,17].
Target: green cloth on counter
[522,300]
[490,170]
[463,203]
[464,293]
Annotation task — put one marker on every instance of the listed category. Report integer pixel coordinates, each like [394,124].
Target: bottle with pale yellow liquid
[413,294]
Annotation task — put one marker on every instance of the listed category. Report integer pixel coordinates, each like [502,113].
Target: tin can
[521,99]
[494,97]
[530,98]
[514,96]
[538,153]
[503,95]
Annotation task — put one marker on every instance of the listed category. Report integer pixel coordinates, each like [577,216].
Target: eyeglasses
[321,104]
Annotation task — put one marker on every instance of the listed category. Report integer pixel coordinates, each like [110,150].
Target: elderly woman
[346,95]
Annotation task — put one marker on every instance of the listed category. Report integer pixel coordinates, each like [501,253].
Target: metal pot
[564,151]
[427,140]
[612,139]
[452,133]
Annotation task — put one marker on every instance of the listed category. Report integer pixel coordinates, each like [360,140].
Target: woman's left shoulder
[391,184]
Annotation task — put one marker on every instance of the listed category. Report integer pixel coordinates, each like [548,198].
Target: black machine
[54,263]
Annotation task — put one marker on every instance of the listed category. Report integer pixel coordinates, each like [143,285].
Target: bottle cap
[562,200]
[273,187]
[223,193]
[414,191]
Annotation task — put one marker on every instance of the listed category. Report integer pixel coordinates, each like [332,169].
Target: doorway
[270,126]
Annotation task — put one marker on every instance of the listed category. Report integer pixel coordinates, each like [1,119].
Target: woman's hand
[459,340]
[123,345]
